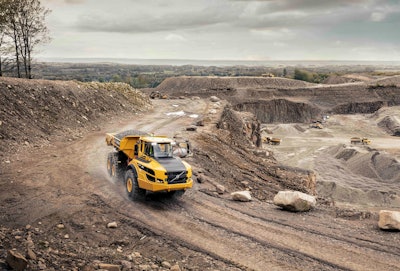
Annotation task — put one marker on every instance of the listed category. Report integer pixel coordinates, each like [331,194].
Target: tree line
[22,29]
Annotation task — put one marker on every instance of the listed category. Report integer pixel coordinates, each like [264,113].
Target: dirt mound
[391,125]
[34,110]
[287,129]
[358,175]
[335,79]
[369,163]
[387,81]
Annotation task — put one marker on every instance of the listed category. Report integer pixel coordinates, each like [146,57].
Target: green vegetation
[311,77]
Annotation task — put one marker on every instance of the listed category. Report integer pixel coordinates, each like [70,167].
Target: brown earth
[57,198]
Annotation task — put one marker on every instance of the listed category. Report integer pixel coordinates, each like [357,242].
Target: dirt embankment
[32,111]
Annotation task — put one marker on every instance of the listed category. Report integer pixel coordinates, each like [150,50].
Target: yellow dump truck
[272,140]
[359,140]
[146,163]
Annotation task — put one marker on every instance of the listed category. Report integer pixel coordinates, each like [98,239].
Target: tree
[23,21]
[284,74]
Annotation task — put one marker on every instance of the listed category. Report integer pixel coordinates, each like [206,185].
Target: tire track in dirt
[316,246]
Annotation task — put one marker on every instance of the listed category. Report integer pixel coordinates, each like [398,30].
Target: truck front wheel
[132,187]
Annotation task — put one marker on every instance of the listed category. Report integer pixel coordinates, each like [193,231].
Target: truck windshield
[162,150]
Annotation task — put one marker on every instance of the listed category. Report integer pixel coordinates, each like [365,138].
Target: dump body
[150,160]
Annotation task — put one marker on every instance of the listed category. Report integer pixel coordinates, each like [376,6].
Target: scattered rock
[126,265]
[220,189]
[16,261]
[109,267]
[112,225]
[191,128]
[175,268]
[201,178]
[31,255]
[42,265]
[144,267]
[136,255]
[294,201]
[60,226]
[199,123]
[214,99]
[241,196]
[166,264]
[389,220]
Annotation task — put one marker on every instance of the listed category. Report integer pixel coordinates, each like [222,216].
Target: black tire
[116,169]
[132,186]
[109,163]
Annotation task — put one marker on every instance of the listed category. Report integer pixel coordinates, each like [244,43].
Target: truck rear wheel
[114,167]
[132,186]
[109,164]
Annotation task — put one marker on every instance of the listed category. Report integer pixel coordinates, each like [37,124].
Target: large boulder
[241,196]
[389,220]
[294,201]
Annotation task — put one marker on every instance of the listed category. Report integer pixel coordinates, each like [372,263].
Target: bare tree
[24,22]
[33,30]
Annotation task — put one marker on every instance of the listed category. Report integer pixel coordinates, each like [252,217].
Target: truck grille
[177,177]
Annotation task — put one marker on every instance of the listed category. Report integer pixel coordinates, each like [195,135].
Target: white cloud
[223,29]
[174,37]
[377,16]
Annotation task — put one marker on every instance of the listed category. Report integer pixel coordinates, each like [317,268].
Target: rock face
[243,126]
[294,201]
[279,110]
[389,220]
[241,196]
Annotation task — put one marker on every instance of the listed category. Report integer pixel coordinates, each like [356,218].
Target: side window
[149,150]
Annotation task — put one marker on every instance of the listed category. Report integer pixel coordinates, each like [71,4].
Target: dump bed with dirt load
[146,163]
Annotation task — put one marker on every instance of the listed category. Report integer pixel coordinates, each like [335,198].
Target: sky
[251,30]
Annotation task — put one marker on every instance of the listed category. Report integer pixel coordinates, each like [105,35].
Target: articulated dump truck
[146,163]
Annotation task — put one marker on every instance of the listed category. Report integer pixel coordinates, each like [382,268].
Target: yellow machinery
[146,163]
[359,140]
[272,140]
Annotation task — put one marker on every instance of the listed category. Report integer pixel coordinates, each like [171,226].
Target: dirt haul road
[67,184]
